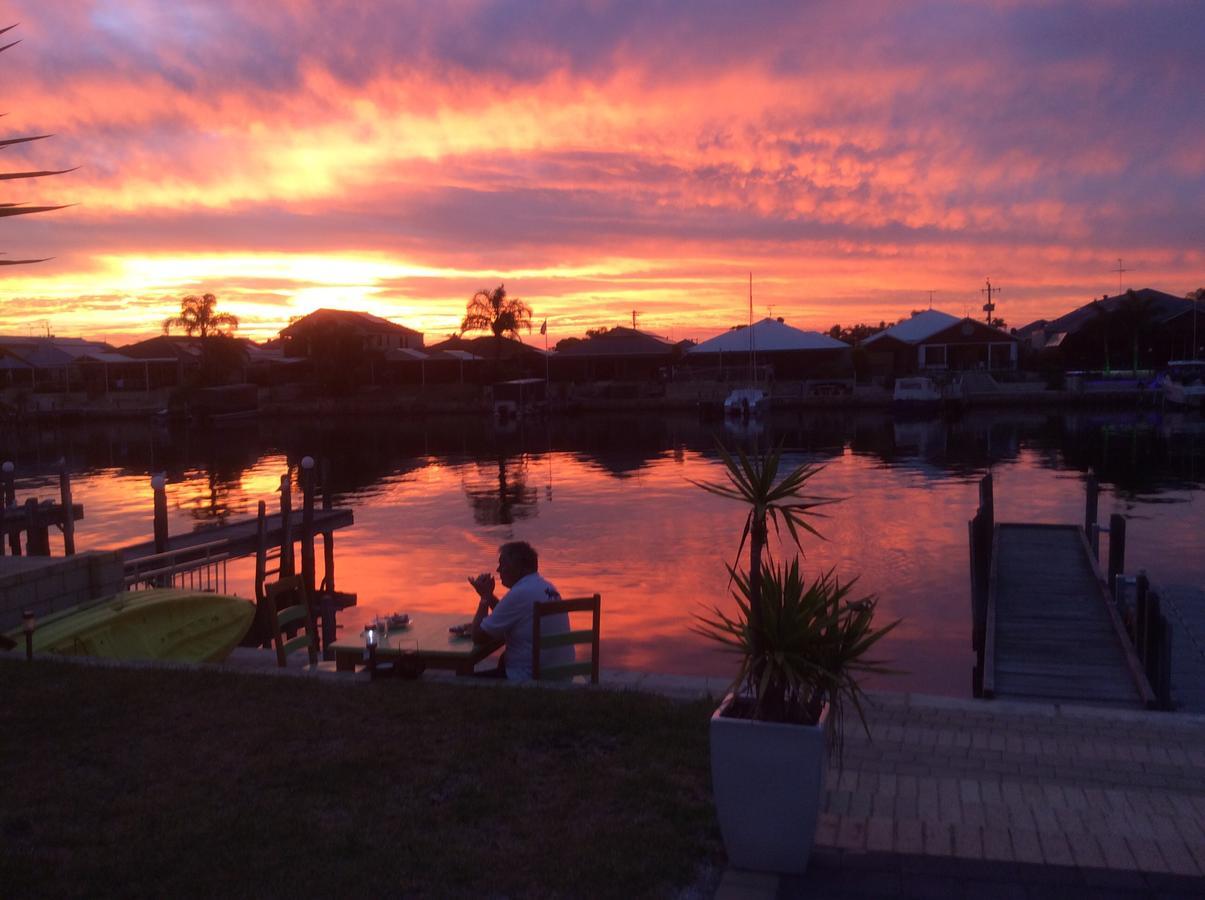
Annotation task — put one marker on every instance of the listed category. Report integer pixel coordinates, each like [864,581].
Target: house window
[933,356]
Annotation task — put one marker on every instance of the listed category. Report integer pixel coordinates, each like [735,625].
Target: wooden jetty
[239,538]
[1046,625]
[34,518]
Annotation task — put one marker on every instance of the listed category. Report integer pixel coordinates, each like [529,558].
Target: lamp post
[28,624]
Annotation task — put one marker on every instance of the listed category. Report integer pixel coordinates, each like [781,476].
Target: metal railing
[201,567]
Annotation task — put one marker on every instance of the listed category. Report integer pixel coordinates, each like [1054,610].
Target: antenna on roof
[1120,270]
[635,313]
[931,299]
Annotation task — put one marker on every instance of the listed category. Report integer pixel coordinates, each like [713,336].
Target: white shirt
[511,621]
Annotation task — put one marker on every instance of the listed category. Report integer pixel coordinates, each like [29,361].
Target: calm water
[607,502]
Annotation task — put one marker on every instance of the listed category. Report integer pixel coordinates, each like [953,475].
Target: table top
[427,635]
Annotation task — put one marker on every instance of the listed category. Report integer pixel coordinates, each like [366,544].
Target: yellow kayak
[166,624]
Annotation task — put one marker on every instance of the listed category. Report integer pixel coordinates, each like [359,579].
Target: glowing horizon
[600,161]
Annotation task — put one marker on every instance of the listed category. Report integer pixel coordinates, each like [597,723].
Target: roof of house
[361,321]
[915,329]
[410,354]
[619,341]
[769,335]
[1164,306]
[487,347]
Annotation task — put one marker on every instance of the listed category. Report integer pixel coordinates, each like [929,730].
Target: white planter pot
[768,781]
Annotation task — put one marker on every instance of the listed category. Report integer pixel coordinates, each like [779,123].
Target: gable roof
[361,321]
[619,341]
[769,336]
[1164,306]
[915,329]
[487,347]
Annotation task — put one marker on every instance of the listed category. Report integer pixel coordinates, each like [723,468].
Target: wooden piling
[37,530]
[987,502]
[287,565]
[307,524]
[328,537]
[1091,504]
[8,501]
[159,487]
[68,512]
[1117,550]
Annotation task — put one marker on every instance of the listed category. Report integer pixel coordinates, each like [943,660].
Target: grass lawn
[168,783]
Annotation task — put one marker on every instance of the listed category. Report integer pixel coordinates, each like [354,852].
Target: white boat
[1184,383]
[746,402]
[916,393]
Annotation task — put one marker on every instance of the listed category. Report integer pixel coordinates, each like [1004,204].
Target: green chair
[288,607]
[542,641]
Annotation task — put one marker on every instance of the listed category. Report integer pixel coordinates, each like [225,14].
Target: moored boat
[160,624]
[916,394]
[1184,383]
[746,402]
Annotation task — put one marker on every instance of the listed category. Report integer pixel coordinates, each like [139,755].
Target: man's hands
[483,584]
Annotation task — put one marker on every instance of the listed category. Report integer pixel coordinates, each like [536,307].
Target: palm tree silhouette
[197,317]
[495,312]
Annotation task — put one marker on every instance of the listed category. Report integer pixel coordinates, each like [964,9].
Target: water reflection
[498,491]
[433,499]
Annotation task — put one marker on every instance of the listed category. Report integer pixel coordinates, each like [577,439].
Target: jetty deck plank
[240,536]
[1053,637]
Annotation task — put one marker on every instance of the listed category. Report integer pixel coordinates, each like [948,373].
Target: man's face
[508,572]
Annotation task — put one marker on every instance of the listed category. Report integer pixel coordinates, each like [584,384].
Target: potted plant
[802,647]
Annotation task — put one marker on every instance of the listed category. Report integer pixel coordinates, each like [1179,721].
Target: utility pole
[635,313]
[989,307]
[1120,270]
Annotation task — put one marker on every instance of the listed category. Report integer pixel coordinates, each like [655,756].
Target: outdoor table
[424,644]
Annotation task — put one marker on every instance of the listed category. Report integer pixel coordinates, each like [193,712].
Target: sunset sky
[598,157]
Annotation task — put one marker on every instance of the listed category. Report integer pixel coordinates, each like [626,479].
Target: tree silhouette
[19,209]
[198,318]
[495,312]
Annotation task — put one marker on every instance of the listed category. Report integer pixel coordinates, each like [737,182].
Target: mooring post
[328,537]
[7,501]
[68,510]
[307,523]
[37,530]
[1141,615]
[286,526]
[159,488]
[987,501]
[1092,496]
[1117,549]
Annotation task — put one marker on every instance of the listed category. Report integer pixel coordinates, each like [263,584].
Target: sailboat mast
[752,350]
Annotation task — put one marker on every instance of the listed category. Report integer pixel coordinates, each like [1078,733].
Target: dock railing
[1140,609]
[201,567]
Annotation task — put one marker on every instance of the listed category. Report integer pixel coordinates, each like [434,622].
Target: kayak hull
[160,624]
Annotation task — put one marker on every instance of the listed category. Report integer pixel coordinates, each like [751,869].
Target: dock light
[28,624]
[159,481]
[370,636]
[7,468]
[307,462]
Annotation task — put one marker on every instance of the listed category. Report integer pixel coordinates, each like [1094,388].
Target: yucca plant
[808,647]
[754,482]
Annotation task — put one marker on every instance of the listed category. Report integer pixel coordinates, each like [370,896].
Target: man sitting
[511,617]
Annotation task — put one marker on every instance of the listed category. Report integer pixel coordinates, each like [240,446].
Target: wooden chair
[541,641]
[287,619]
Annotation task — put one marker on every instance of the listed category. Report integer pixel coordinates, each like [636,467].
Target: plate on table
[462,631]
